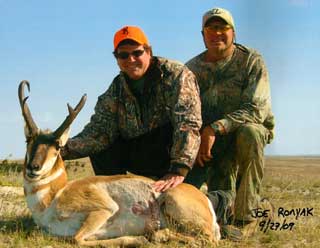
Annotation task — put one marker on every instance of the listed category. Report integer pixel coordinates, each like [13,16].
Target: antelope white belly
[62,226]
[138,212]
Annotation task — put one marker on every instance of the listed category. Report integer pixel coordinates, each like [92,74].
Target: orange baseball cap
[130,33]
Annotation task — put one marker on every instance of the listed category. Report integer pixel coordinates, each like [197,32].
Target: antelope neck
[56,173]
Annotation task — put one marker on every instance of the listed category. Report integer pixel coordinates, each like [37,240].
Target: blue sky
[64,49]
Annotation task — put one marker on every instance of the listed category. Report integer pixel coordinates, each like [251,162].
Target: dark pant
[147,155]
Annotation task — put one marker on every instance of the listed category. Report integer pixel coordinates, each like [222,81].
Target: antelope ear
[64,137]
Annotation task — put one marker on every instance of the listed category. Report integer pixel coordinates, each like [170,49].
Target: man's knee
[111,161]
[250,139]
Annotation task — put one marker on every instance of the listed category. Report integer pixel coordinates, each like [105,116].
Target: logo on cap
[216,12]
[125,31]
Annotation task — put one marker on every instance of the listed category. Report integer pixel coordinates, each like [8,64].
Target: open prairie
[291,183]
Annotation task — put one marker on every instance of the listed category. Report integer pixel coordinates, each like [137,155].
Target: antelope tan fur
[121,210]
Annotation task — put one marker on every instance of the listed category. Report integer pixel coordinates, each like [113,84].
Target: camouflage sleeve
[255,103]
[186,121]
[100,132]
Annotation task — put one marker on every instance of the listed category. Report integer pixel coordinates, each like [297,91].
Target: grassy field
[292,184]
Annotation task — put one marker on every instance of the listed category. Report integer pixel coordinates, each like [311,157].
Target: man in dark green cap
[237,119]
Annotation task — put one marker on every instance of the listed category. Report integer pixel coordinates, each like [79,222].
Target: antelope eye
[57,144]
[28,139]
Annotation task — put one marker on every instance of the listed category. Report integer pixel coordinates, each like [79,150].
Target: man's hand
[207,140]
[167,182]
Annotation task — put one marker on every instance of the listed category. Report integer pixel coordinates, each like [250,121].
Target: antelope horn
[25,109]
[69,119]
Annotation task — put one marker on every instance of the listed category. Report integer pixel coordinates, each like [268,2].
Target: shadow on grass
[25,228]
[22,225]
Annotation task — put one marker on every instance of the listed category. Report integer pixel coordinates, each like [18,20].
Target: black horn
[69,119]
[25,109]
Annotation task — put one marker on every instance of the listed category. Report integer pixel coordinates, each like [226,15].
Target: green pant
[236,168]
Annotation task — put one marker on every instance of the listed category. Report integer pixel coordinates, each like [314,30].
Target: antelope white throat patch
[46,180]
[34,199]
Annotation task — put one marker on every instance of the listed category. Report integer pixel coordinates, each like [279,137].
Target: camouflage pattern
[238,167]
[235,96]
[170,95]
[234,91]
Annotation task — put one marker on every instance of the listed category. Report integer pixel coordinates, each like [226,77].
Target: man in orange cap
[148,120]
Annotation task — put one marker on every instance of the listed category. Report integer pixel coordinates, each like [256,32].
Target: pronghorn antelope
[121,210]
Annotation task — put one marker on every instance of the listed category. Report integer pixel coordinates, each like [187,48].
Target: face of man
[134,60]
[218,36]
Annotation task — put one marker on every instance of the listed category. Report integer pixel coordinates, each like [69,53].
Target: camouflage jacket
[170,95]
[234,91]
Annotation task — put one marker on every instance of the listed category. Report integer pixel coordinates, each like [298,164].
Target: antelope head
[43,147]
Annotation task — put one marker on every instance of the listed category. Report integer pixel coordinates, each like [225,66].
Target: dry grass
[290,183]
